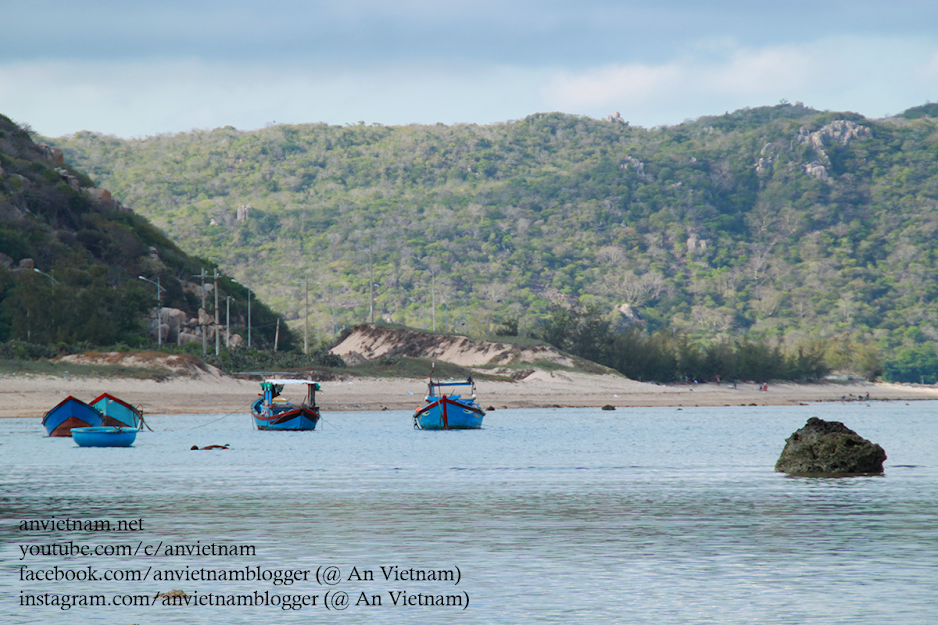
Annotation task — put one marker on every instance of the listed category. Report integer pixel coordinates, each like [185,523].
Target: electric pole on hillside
[228,299]
[202,318]
[217,337]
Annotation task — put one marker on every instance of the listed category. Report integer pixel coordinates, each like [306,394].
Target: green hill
[71,258]
[782,222]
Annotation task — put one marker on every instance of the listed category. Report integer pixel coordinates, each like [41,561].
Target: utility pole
[228,299]
[332,303]
[217,338]
[249,308]
[202,319]
[54,282]
[159,309]
[371,280]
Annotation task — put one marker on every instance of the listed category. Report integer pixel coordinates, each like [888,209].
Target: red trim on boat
[114,399]
[65,428]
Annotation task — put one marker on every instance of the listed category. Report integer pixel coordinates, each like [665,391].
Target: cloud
[928,72]
[151,95]
[747,73]
[145,98]
[870,75]
[617,84]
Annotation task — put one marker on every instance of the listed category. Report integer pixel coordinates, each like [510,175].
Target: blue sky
[171,66]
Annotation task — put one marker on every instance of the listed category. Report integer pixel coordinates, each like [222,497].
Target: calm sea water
[550,516]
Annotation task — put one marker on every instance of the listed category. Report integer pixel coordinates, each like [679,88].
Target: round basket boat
[104,436]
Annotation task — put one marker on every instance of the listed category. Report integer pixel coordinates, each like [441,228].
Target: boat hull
[448,414]
[117,412]
[104,436]
[287,418]
[69,414]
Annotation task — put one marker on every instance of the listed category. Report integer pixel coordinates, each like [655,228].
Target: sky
[166,66]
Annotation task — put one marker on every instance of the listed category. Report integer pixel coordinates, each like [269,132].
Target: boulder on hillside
[54,155]
[188,337]
[160,332]
[171,320]
[829,448]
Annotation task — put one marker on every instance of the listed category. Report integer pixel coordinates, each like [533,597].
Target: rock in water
[831,448]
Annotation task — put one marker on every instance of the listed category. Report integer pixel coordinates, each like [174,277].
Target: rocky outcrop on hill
[840,131]
[54,155]
[175,326]
[829,448]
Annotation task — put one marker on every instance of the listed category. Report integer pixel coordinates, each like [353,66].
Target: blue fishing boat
[105,436]
[273,412]
[446,410]
[117,412]
[70,413]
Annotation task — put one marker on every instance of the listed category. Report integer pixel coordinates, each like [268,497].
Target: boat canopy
[291,382]
[438,387]
[272,389]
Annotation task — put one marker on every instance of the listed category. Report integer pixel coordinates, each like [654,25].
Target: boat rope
[329,422]
[238,410]
[142,420]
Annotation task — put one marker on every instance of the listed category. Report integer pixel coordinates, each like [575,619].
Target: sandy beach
[30,396]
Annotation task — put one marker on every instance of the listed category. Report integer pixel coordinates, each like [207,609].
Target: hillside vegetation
[779,222]
[71,258]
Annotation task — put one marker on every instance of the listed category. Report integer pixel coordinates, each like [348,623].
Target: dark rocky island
[829,448]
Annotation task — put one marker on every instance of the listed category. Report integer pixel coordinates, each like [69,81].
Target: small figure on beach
[197,448]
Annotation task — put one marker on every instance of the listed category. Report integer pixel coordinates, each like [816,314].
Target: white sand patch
[370,343]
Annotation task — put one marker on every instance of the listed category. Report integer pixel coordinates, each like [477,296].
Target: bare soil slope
[368,342]
[172,364]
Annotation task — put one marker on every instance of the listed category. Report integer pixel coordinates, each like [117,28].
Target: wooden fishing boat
[70,413]
[273,412]
[105,436]
[117,412]
[446,410]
